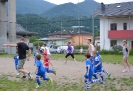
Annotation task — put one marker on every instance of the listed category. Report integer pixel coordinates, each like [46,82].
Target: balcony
[120,34]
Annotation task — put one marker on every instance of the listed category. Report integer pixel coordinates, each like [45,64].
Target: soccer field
[69,76]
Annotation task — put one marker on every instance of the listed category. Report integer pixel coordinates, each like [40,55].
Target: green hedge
[78,47]
[115,52]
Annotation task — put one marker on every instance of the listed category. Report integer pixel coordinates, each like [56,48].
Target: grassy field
[113,84]
[9,82]
[106,58]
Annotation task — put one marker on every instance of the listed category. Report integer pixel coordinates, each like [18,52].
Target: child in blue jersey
[35,53]
[98,55]
[16,58]
[97,66]
[89,72]
[40,71]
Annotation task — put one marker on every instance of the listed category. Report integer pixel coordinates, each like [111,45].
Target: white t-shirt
[92,48]
[47,49]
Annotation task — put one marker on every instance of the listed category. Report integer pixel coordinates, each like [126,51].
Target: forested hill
[44,25]
[32,6]
[70,9]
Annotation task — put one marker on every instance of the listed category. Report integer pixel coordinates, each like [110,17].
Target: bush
[131,51]
[83,46]
[38,42]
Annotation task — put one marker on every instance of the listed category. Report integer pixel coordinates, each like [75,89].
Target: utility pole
[93,22]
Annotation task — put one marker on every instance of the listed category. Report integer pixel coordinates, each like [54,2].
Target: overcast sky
[76,1]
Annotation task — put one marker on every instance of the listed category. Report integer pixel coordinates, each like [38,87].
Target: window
[124,26]
[113,26]
[113,43]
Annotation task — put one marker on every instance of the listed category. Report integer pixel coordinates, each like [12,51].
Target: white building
[116,24]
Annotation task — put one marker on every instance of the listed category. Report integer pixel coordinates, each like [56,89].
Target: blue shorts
[40,74]
[88,77]
[98,70]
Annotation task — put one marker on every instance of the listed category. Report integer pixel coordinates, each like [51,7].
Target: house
[21,32]
[97,40]
[77,37]
[116,24]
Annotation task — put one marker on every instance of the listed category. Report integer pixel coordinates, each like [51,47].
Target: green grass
[29,85]
[106,58]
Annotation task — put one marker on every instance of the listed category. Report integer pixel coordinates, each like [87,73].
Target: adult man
[22,49]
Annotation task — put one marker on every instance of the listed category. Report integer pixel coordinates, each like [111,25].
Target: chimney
[102,6]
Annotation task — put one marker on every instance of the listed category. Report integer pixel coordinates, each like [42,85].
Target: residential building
[116,24]
[97,40]
[77,38]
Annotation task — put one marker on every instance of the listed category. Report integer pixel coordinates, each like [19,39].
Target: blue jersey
[41,69]
[16,58]
[89,63]
[98,54]
[97,59]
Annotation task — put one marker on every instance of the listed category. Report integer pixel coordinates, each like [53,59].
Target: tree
[38,43]
[33,38]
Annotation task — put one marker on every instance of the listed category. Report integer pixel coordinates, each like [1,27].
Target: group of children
[93,67]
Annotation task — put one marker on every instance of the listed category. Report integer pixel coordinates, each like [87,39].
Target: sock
[102,78]
[96,80]
[87,84]
[104,71]
[95,76]
[38,81]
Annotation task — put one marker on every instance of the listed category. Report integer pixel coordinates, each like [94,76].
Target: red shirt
[46,60]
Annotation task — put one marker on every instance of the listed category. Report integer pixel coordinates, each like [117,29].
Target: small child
[40,71]
[89,72]
[46,64]
[35,53]
[16,58]
[97,66]
[98,55]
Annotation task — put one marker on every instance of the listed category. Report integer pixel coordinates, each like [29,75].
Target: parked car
[62,49]
[52,48]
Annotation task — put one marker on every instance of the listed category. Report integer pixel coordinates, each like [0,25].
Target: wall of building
[105,27]
[83,38]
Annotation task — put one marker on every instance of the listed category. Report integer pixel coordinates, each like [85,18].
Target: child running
[16,58]
[126,52]
[104,71]
[40,72]
[89,72]
[35,56]
[97,66]
[70,52]
[46,64]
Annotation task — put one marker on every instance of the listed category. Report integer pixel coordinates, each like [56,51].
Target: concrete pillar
[12,23]
[3,29]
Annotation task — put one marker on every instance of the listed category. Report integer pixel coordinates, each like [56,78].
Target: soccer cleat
[30,75]
[18,74]
[86,88]
[109,76]
[23,77]
[54,72]
[38,86]
[124,71]
[50,80]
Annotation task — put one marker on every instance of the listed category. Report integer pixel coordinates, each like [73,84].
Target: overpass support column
[12,23]
[3,29]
